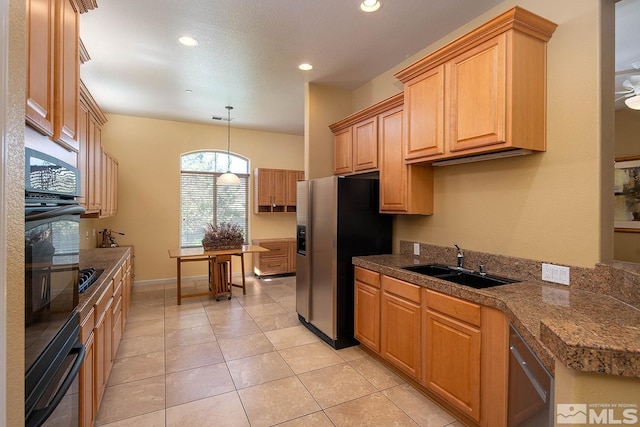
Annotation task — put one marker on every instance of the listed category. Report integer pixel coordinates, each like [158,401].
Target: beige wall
[546,206]
[627,245]
[14,199]
[148,153]
[324,105]
[574,387]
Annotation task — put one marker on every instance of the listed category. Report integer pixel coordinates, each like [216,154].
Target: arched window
[202,201]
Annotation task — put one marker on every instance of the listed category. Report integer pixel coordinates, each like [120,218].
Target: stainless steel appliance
[337,219]
[53,354]
[530,386]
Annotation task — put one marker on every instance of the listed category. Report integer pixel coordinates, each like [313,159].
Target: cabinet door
[66,75]
[292,256]
[367,315]
[83,155]
[477,96]
[279,186]
[94,164]
[393,170]
[400,334]
[87,385]
[263,181]
[365,145]
[40,53]
[424,114]
[342,151]
[452,362]
[291,195]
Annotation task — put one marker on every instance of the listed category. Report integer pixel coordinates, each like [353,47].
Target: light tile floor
[247,362]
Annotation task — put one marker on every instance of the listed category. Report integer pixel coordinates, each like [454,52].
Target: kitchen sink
[429,269]
[461,277]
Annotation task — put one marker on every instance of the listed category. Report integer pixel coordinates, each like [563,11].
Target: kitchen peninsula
[590,327]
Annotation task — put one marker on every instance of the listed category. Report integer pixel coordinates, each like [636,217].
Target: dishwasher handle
[525,368]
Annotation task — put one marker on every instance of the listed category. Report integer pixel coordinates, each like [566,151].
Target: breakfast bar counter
[584,330]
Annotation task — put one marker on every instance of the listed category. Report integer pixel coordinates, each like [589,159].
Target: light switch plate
[416,248]
[555,273]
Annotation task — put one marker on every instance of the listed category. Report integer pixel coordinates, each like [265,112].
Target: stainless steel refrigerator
[337,218]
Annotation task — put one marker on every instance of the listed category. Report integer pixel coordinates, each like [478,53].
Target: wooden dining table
[199,254]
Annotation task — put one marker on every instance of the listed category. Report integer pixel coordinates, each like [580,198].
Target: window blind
[203,202]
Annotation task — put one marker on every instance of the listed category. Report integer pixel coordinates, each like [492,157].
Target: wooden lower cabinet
[101,332]
[454,350]
[86,403]
[367,308]
[452,361]
[278,260]
[103,355]
[401,326]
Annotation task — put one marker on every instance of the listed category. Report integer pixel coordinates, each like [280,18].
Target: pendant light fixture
[228,178]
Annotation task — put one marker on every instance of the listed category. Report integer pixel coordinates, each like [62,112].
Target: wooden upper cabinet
[90,122]
[291,193]
[40,53]
[424,109]
[477,96]
[52,98]
[66,75]
[404,189]
[273,190]
[365,145]
[342,152]
[490,85]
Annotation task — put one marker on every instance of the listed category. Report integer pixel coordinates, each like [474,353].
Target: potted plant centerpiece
[223,236]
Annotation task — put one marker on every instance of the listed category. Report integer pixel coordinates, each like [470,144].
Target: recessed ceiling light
[188,41]
[305,67]
[370,5]
[189,91]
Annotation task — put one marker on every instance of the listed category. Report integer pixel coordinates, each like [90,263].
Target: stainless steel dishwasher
[530,386]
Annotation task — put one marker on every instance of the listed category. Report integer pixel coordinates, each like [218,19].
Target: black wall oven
[53,353]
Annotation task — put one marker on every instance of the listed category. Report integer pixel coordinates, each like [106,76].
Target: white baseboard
[170,280]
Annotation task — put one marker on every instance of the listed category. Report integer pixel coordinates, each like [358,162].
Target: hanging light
[633,102]
[228,178]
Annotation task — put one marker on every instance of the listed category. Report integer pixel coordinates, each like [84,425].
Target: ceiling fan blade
[623,97]
[624,72]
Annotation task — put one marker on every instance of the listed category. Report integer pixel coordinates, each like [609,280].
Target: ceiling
[627,44]
[248,53]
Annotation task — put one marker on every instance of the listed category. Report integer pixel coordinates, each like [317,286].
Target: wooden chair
[220,274]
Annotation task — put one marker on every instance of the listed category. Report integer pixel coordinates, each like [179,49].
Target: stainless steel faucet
[460,256]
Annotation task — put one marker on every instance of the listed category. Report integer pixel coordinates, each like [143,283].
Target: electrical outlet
[555,273]
[86,235]
[94,233]
[416,248]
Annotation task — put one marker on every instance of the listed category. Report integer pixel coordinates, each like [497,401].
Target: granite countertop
[583,330]
[106,259]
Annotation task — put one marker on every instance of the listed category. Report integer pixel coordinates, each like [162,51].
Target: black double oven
[53,353]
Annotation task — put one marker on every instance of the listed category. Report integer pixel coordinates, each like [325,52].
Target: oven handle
[39,416]
[64,210]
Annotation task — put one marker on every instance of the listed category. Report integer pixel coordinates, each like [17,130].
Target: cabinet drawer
[274,265]
[369,277]
[86,328]
[454,307]
[401,289]
[276,249]
[118,276]
[104,299]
